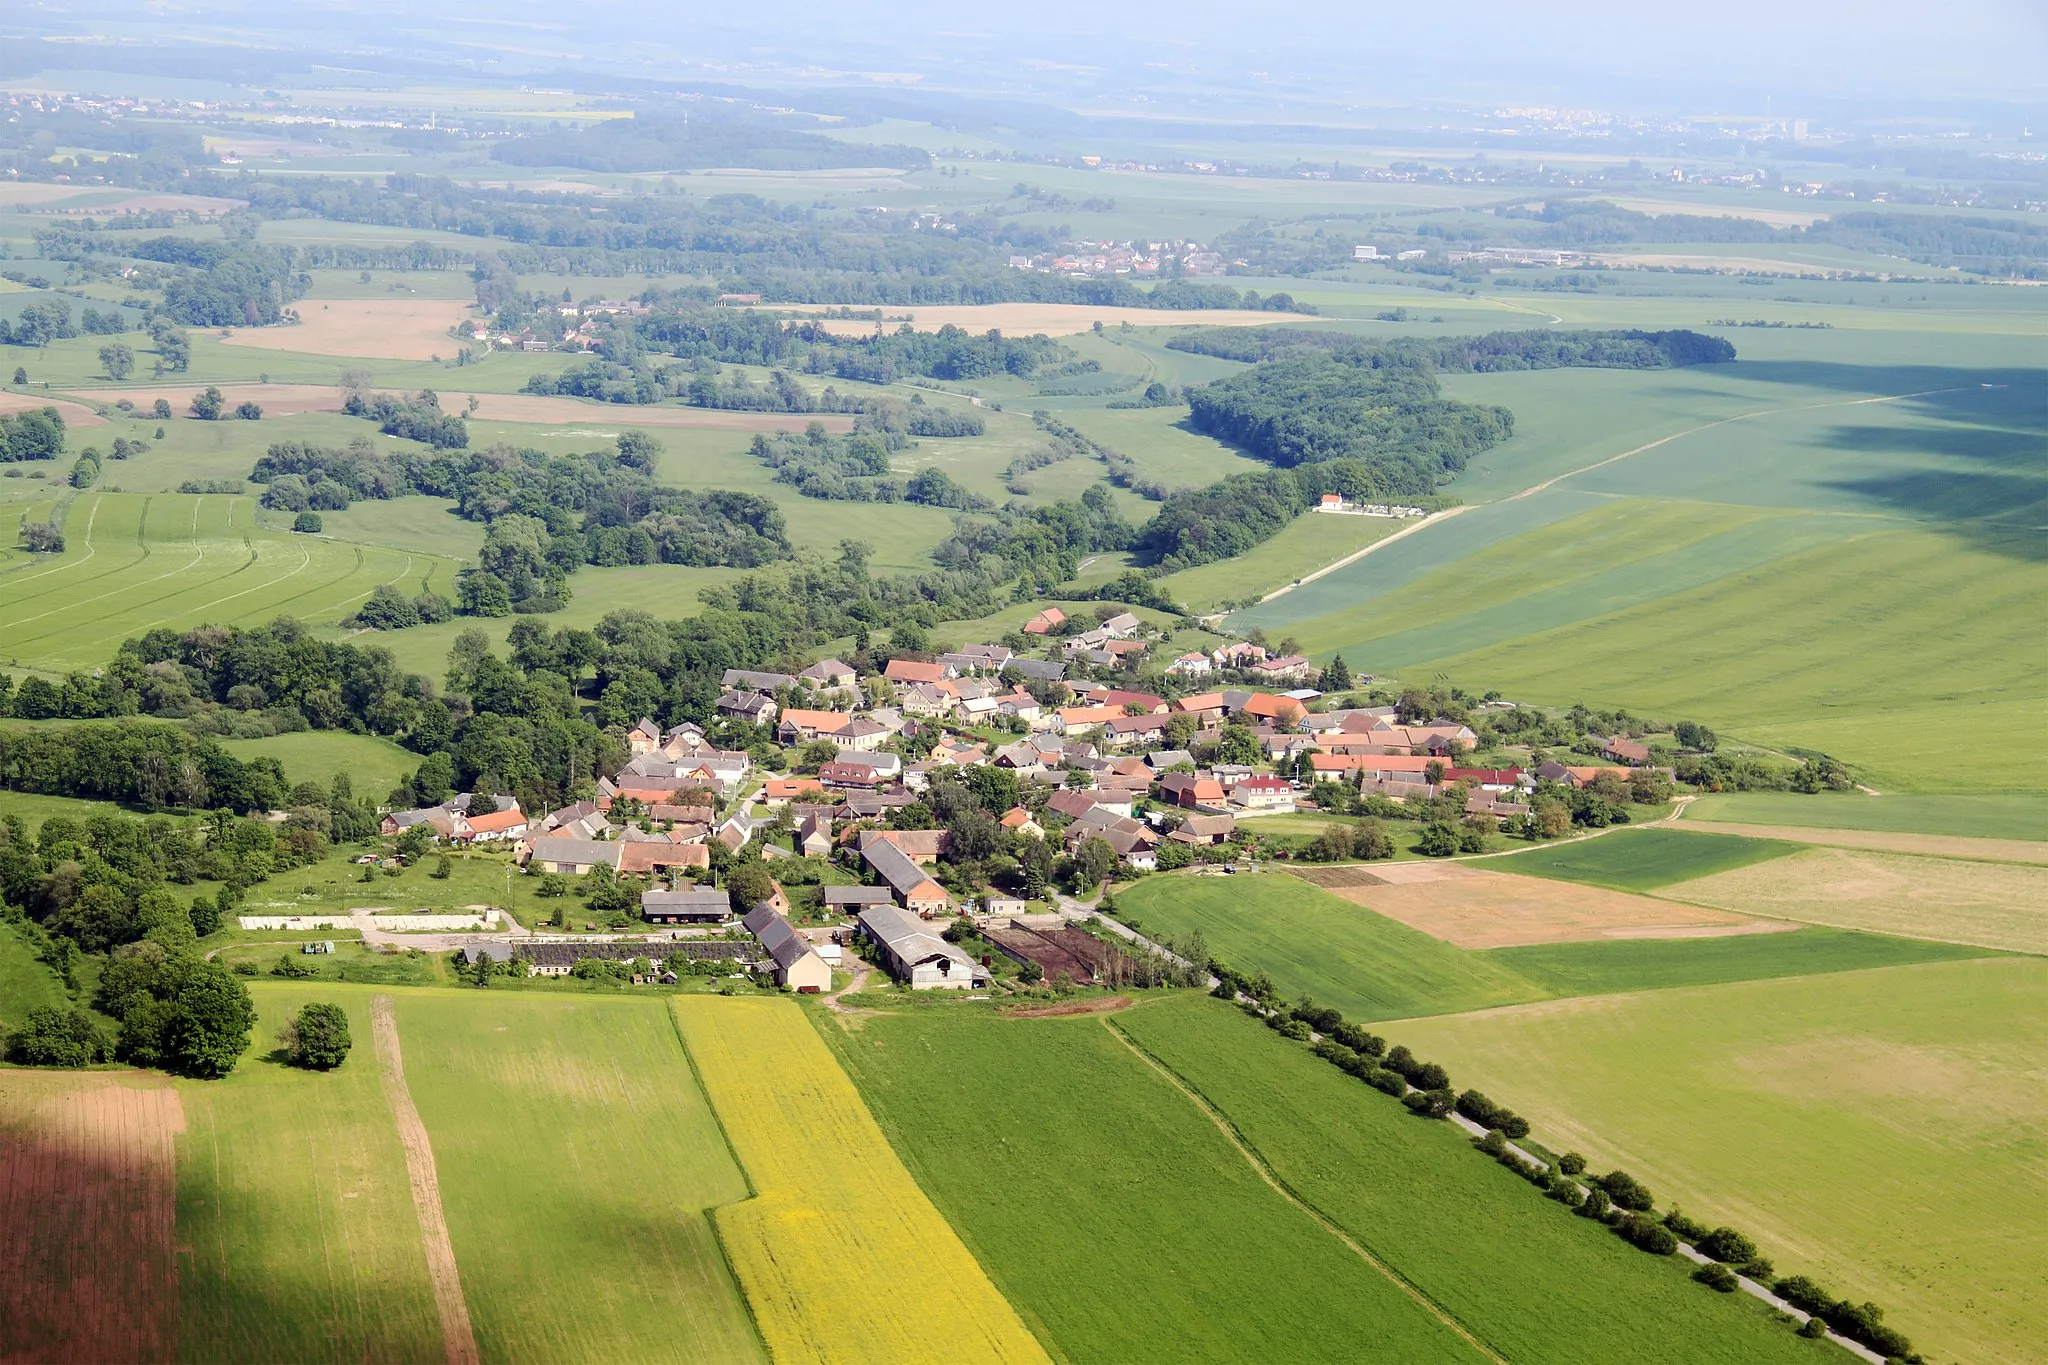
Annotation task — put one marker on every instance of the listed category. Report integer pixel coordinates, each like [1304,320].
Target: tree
[747,884]
[443,868]
[1697,738]
[308,523]
[1094,863]
[21,374]
[1337,677]
[207,404]
[184,1014]
[162,412]
[51,1036]
[1439,840]
[117,360]
[317,1038]
[249,411]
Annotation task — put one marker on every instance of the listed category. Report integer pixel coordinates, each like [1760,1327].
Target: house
[1138,730]
[828,675]
[1045,622]
[1123,699]
[1625,750]
[784,789]
[573,857]
[859,735]
[745,679]
[1071,802]
[1241,654]
[693,905]
[1018,820]
[1159,760]
[1192,790]
[1082,720]
[814,835]
[1190,666]
[1122,626]
[797,965]
[1263,794]
[446,823]
[800,726]
[1287,668]
[1204,706]
[1206,830]
[1285,712]
[914,890]
[638,857]
[924,699]
[920,960]
[755,708]
[923,845]
[855,898]
[901,671]
[1038,670]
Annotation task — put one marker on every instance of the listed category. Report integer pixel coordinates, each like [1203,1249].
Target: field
[1715,543]
[1964,816]
[374,765]
[133,562]
[297,1224]
[24,981]
[578,1162]
[1991,905]
[89,1267]
[1528,1279]
[836,1230]
[1313,943]
[1888,841]
[1311,542]
[1878,1129]
[397,329]
[1565,969]
[1643,859]
[1167,1245]
[1474,908]
[1049,319]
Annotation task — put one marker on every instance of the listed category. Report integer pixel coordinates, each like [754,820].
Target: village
[954,818]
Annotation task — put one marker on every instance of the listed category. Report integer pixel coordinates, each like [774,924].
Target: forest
[708,135]
[1308,408]
[1626,349]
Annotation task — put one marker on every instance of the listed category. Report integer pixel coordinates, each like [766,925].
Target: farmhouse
[1045,622]
[797,966]
[855,898]
[695,905]
[1625,750]
[638,857]
[754,708]
[915,671]
[828,675]
[920,960]
[914,890]
[574,857]
[799,725]
[736,679]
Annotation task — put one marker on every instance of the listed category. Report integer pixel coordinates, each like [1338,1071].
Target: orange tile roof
[823,721]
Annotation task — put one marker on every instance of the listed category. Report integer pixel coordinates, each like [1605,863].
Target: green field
[1961,815]
[1311,542]
[294,1214]
[373,765]
[1566,969]
[1643,859]
[1879,1130]
[1312,943]
[1519,1271]
[1108,1210]
[578,1161]
[24,981]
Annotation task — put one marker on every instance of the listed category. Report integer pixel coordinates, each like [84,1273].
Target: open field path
[457,1338]
[1281,1188]
[1356,555]
[1888,841]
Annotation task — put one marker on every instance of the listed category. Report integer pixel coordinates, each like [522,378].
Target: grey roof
[1168,758]
[1045,670]
[894,866]
[577,851]
[759,682]
[781,940]
[905,936]
[690,898]
[827,668]
[856,895]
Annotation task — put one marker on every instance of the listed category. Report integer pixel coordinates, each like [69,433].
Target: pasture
[1517,1270]
[374,765]
[1162,1244]
[836,1228]
[1313,943]
[1875,1129]
[89,1268]
[578,1162]
[1469,906]
[24,981]
[1990,905]
[1959,815]
[1642,859]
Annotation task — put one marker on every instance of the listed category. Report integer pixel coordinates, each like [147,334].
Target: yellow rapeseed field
[840,1253]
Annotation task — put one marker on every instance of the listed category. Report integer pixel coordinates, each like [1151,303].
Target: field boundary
[1961,846]
[1280,1186]
[458,1339]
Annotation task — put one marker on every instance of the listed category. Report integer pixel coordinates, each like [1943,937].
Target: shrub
[1295,1029]
[53,1036]
[1726,1244]
[1642,1231]
[1566,1191]
[1430,1104]
[1759,1269]
[1626,1191]
[1691,1229]
[1864,1322]
[1812,1329]
[1597,1203]
[1571,1163]
[1391,1082]
[1803,1294]
[1482,1110]
[317,1038]
[1716,1277]
[1493,1144]
[1321,1018]
[291,967]
[1336,1054]
[1358,1040]
[308,523]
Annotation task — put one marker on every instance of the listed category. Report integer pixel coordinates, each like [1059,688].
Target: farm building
[797,966]
[844,898]
[693,905]
[574,857]
[914,890]
[920,960]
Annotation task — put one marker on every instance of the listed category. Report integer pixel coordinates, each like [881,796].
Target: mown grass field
[295,1219]
[578,1164]
[1566,969]
[1879,1130]
[1517,1270]
[1311,542]
[1113,1214]
[1961,815]
[24,981]
[836,1231]
[1642,859]
[1313,943]
[374,765]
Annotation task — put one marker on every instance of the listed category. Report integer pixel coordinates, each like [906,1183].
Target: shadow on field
[2016,398]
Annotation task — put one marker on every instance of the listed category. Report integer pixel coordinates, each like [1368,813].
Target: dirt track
[457,1339]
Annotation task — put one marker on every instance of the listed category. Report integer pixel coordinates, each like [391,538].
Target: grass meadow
[24,981]
[1642,859]
[1517,1270]
[836,1232]
[374,765]
[1567,969]
[578,1162]
[1313,943]
[1110,1210]
[295,1218]
[1963,815]
[1878,1130]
